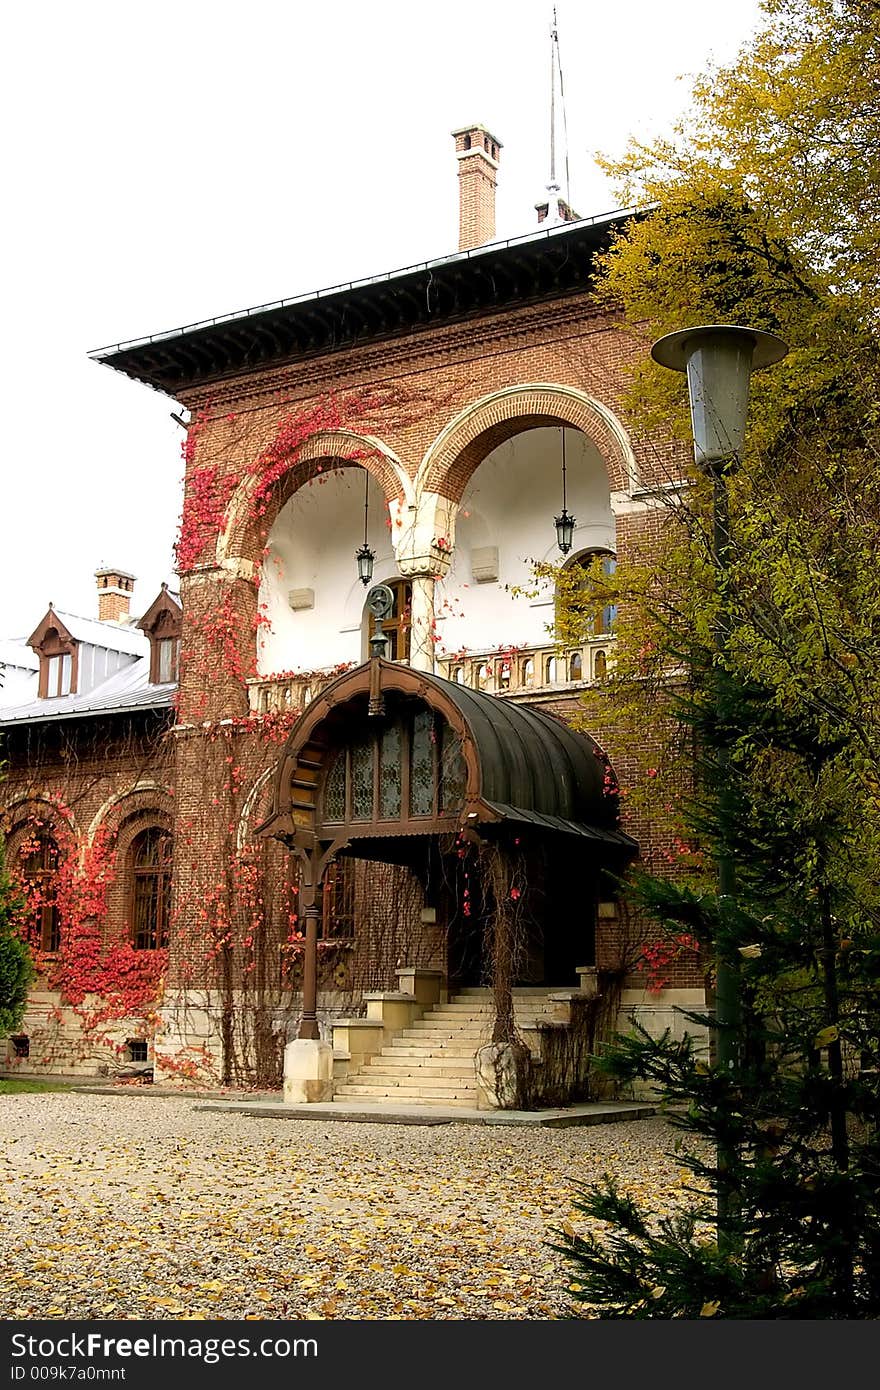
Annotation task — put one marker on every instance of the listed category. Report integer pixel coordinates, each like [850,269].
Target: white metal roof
[127,689]
[114,637]
[14,651]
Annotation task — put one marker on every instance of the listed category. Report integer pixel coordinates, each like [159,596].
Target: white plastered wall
[510,503]
[312,545]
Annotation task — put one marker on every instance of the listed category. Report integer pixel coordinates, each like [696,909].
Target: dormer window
[162,624]
[58,654]
[167,658]
[59,674]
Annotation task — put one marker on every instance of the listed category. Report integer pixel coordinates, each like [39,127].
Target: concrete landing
[382,1113]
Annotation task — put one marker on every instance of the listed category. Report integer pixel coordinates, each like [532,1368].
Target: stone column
[421,637]
[424,554]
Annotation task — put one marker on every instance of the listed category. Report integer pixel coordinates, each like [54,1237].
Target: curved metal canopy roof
[523,764]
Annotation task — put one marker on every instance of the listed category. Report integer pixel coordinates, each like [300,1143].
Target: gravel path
[139,1207]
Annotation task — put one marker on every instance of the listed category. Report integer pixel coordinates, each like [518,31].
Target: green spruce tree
[16,968]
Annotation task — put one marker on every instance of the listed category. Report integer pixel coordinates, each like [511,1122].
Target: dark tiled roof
[543,265]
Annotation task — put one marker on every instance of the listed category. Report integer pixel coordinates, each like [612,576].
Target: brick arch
[244,534]
[260,792]
[462,445]
[149,798]
[19,817]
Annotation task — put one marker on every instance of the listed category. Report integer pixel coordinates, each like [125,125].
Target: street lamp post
[719,360]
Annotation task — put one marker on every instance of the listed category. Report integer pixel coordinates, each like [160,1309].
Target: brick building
[432,425]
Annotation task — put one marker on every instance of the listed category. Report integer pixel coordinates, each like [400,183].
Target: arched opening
[505,526]
[310,595]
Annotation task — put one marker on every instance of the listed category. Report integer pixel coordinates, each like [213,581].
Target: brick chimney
[115,588]
[478,153]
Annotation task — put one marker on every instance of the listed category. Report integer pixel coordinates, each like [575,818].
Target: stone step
[380,1098]
[432,1061]
[441,1094]
[438,1038]
[521,1006]
[518,992]
[429,1066]
[450,1023]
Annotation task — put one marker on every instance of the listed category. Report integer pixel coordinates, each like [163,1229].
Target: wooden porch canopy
[390,751]
[386,753]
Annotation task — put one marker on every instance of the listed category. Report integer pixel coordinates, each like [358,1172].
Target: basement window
[136,1049]
[21,1045]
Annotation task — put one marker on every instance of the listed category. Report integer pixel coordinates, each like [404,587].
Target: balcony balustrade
[528,670]
[517,671]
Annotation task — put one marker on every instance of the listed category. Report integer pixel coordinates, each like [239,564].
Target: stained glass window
[453,772]
[421,781]
[362,780]
[334,793]
[409,766]
[390,773]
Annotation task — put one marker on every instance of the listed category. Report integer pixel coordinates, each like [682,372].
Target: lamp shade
[719,360]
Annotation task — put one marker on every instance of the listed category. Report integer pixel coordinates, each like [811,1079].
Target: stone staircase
[432,1062]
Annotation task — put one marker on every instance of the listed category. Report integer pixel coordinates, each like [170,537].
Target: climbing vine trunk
[504,1064]
[502,945]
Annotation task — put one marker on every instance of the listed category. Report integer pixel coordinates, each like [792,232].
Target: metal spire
[554,45]
[557,208]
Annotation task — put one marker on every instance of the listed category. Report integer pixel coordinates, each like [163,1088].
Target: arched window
[396,627]
[590,602]
[151,889]
[39,870]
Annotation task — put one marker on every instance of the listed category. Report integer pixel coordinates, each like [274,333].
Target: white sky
[166,162]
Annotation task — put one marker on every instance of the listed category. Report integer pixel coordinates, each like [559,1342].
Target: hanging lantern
[564,531]
[365,556]
[564,523]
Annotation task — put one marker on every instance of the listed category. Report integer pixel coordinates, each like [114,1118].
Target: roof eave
[446,289]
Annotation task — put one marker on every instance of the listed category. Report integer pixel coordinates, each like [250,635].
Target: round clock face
[380,601]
